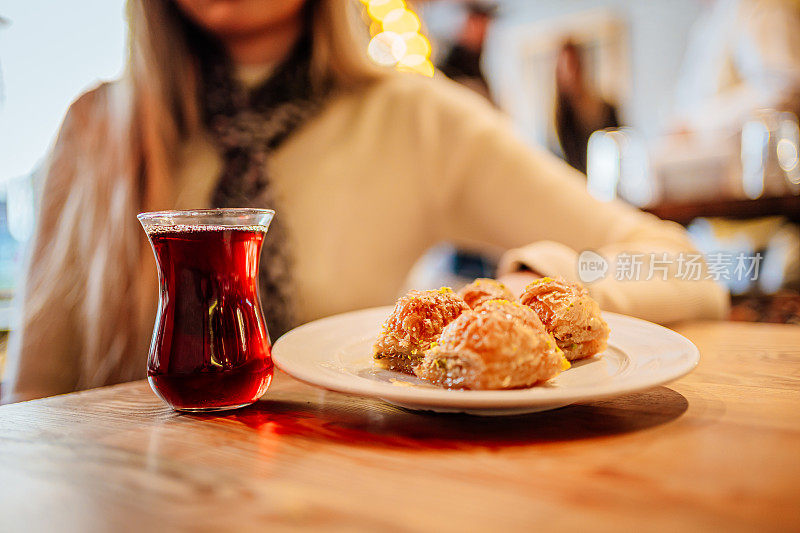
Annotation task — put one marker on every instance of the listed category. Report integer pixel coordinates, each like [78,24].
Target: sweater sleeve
[492,190]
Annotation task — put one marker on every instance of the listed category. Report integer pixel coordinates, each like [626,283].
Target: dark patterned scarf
[247,126]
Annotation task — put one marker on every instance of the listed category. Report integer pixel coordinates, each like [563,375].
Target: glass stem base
[211,409]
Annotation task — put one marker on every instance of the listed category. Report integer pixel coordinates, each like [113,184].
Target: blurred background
[685,108]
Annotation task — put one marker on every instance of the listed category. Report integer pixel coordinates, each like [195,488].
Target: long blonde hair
[113,158]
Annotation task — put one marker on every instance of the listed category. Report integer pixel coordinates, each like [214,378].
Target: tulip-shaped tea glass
[210,349]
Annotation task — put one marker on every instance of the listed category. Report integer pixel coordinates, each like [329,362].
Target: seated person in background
[274,104]
[580,111]
[463,62]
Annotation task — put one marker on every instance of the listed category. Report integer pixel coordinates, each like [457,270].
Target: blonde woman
[273,104]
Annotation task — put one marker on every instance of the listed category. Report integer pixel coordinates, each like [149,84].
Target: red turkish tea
[210,347]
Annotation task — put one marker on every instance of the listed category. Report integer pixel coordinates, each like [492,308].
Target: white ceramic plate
[336,353]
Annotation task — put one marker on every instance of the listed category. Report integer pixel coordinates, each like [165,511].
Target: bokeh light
[401,21]
[396,37]
[375,28]
[387,48]
[787,155]
[378,9]
[415,63]
[416,44]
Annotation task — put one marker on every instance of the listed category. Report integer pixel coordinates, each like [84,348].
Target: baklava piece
[515,310]
[526,316]
[416,321]
[569,314]
[490,349]
[484,289]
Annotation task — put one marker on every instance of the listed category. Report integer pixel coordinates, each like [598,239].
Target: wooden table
[719,449]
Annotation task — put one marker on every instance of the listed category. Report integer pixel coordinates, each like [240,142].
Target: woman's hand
[517,281]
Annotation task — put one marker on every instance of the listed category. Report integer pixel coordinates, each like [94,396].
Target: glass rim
[225,217]
[218,212]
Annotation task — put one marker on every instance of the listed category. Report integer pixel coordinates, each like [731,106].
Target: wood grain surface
[717,450]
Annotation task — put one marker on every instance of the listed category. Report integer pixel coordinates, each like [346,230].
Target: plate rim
[481,399]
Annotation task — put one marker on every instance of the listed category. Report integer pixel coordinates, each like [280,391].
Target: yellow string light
[396,37]
[416,44]
[378,9]
[375,28]
[387,48]
[415,63]
[401,21]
